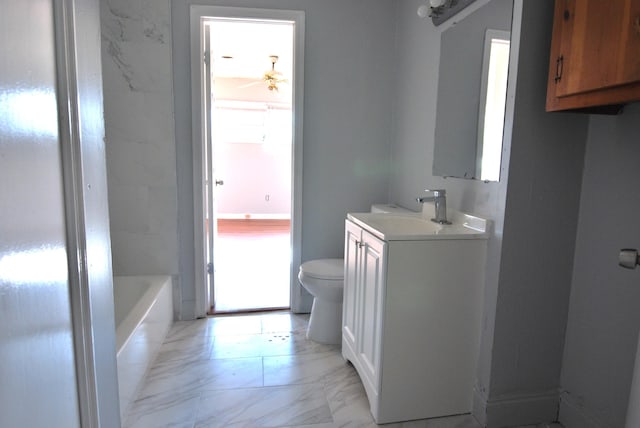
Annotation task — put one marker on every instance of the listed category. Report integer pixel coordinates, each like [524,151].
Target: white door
[210,181]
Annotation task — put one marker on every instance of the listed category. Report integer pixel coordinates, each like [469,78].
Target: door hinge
[209,268]
[205,57]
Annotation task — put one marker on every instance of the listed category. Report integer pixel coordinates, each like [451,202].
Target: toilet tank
[389,209]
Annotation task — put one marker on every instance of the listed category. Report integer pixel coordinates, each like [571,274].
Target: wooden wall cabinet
[595,55]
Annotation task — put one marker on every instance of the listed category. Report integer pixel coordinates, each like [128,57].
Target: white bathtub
[143,313]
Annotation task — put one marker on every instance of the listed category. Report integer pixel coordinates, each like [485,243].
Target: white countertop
[417,227]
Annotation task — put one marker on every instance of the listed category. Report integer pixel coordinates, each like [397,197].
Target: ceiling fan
[271,77]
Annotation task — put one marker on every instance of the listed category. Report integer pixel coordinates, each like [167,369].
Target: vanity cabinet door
[363,305]
[373,283]
[352,239]
[595,54]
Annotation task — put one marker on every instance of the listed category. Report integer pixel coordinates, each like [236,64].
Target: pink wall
[256,172]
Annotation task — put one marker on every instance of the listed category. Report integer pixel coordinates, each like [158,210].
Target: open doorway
[251,141]
[250,167]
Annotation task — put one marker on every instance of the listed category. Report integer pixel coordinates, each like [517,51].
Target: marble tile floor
[256,370]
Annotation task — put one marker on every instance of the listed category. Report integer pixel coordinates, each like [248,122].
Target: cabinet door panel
[373,277]
[352,264]
[598,42]
[629,64]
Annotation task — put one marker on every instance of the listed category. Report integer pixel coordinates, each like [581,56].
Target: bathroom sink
[403,225]
[409,227]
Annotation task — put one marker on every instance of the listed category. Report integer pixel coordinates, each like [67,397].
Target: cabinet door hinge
[209,268]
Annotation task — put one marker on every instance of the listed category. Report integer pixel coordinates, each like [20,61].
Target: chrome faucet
[439,199]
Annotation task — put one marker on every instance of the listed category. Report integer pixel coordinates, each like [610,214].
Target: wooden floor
[253,227]
[252,265]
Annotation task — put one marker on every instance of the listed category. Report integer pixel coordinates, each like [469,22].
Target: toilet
[324,279]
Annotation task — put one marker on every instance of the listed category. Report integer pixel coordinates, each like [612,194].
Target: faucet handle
[437,192]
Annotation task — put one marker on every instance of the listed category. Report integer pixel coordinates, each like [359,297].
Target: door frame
[198,13]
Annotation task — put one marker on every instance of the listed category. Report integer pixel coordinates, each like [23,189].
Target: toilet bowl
[324,279]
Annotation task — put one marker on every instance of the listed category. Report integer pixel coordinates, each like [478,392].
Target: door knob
[628,258]
[219,182]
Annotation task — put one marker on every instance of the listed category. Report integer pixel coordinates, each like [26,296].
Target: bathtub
[143,313]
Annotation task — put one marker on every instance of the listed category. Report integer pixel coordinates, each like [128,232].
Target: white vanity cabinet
[411,322]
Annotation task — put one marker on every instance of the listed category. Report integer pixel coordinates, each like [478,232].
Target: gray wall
[603,317]
[346,132]
[347,112]
[418,47]
[354,123]
[545,172]
[534,207]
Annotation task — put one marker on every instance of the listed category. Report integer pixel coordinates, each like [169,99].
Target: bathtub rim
[128,326]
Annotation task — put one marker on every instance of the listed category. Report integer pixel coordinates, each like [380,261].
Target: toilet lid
[324,269]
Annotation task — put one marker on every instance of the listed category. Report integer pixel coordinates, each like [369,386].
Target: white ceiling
[250,44]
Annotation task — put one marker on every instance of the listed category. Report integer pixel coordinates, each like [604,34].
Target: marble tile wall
[140,142]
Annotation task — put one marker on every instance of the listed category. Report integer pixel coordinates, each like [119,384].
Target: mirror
[472,84]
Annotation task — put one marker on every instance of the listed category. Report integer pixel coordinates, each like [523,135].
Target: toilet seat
[326,269]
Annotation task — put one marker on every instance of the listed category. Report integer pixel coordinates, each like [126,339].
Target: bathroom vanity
[412,311]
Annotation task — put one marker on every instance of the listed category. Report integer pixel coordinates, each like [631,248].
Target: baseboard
[479,409]
[573,415]
[515,409]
